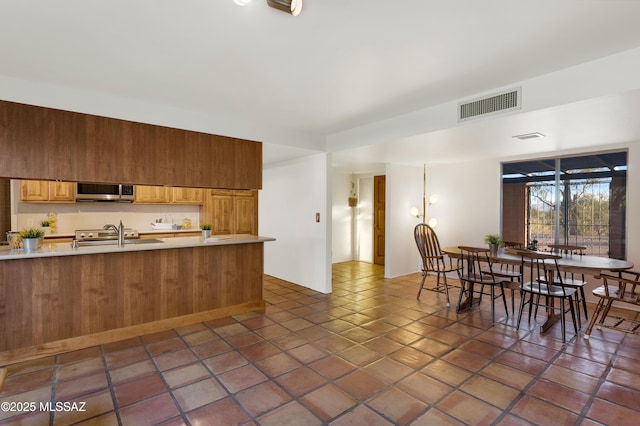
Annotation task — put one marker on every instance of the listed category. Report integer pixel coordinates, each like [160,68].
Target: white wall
[404,187]
[468,204]
[342,232]
[292,193]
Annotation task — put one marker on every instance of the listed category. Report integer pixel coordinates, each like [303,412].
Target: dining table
[576,263]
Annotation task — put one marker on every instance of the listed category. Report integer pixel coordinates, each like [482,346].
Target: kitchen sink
[143,241]
[115,242]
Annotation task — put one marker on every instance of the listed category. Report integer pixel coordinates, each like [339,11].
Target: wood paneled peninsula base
[61,299]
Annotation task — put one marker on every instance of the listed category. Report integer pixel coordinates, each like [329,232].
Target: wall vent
[488,105]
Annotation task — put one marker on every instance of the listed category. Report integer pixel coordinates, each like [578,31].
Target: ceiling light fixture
[242,2]
[293,7]
[526,136]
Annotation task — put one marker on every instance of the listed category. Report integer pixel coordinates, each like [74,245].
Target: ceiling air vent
[498,103]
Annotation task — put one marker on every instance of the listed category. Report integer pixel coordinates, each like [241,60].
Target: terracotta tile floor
[368,354]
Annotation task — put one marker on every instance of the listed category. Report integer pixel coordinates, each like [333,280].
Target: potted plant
[31,238]
[45,226]
[494,240]
[206,230]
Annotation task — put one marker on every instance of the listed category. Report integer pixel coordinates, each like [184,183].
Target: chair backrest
[428,246]
[512,244]
[566,249]
[543,271]
[474,263]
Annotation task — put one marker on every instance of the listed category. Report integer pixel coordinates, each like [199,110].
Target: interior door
[379,185]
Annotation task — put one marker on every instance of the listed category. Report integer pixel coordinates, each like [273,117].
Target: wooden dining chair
[624,289]
[476,269]
[545,284]
[433,259]
[510,271]
[572,279]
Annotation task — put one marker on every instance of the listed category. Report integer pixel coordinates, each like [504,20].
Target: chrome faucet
[119,230]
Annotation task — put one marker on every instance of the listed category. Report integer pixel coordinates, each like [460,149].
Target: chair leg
[605,311]
[513,302]
[493,302]
[531,306]
[424,276]
[462,290]
[446,288]
[504,299]
[594,318]
[437,287]
[578,315]
[584,303]
[563,321]
[577,325]
[522,302]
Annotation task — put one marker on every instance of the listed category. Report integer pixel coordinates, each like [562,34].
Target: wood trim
[102,338]
[49,144]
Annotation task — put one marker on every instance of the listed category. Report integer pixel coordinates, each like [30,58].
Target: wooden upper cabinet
[144,194]
[188,196]
[46,191]
[48,144]
[34,190]
[62,191]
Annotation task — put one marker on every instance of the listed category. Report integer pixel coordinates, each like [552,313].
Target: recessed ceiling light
[526,136]
[242,2]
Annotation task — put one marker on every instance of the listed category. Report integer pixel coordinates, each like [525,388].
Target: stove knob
[82,235]
[90,235]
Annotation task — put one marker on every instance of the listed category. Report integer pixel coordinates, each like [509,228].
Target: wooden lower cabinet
[231,211]
[62,303]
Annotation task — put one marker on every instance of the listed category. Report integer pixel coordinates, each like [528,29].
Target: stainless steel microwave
[104,192]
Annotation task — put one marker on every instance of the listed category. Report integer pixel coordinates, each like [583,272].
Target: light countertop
[65,249]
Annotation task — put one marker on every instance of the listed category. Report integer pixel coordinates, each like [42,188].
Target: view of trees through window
[577,200]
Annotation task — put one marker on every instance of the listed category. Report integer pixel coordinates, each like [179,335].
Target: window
[569,200]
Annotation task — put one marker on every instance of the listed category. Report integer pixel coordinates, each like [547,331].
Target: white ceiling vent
[489,105]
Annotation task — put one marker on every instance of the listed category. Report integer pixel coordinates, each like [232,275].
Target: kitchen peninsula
[62,298]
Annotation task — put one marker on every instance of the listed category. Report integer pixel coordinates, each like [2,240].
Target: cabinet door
[152,194]
[222,209]
[188,195]
[245,213]
[230,212]
[34,190]
[62,191]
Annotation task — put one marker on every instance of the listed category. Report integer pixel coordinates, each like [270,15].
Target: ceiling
[338,66]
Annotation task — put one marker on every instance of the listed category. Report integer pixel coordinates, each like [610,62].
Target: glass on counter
[14,239]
